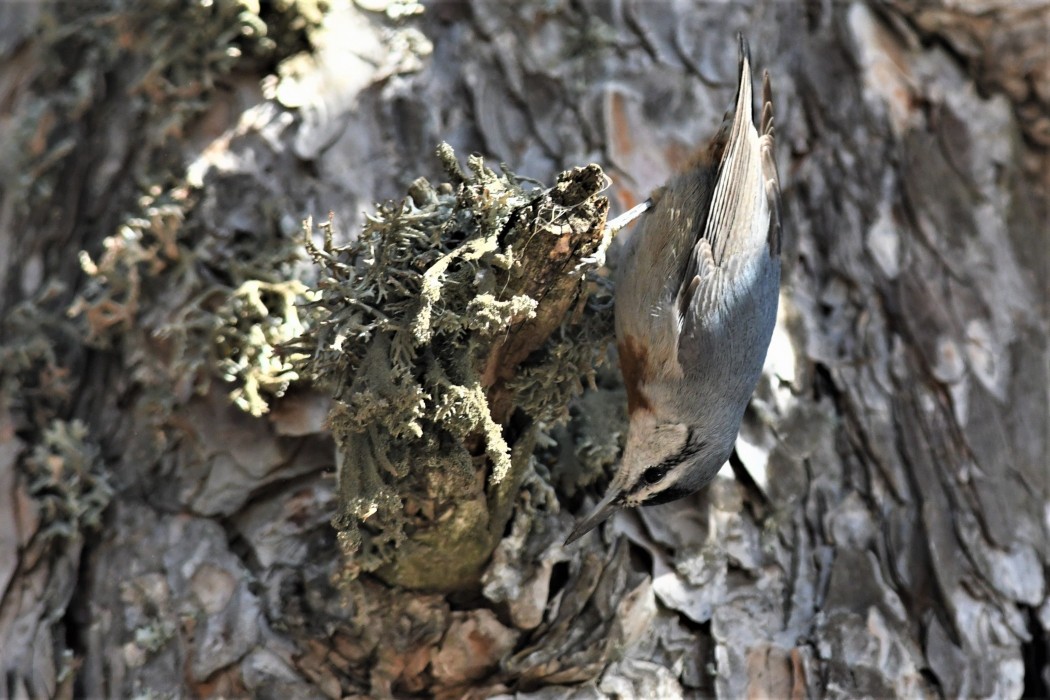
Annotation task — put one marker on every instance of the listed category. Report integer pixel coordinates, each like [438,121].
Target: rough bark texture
[159,534]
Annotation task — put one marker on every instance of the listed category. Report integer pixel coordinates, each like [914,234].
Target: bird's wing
[744,217]
[741,205]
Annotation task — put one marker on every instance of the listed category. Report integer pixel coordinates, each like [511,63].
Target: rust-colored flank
[633,358]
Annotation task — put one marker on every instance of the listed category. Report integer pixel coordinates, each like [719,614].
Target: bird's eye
[653,475]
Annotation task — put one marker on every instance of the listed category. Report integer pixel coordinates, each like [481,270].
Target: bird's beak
[609,505]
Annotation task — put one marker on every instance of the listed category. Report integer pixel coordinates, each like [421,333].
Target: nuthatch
[696,301]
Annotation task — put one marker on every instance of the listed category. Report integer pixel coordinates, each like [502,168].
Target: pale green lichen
[180,51]
[546,390]
[154,278]
[167,58]
[582,450]
[409,334]
[67,479]
[489,316]
[34,381]
[145,246]
[228,327]
[394,406]
[258,318]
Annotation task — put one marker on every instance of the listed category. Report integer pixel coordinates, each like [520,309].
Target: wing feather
[739,198]
[744,218]
[767,147]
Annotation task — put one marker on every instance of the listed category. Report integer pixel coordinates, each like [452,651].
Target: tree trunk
[167,474]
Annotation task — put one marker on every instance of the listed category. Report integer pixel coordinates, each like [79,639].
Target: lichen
[586,447]
[547,389]
[184,301]
[67,479]
[35,381]
[227,326]
[180,50]
[257,318]
[145,246]
[448,316]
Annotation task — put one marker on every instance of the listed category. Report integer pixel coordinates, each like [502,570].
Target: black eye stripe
[671,493]
[690,448]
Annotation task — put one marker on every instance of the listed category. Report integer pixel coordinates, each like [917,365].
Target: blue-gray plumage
[696,301]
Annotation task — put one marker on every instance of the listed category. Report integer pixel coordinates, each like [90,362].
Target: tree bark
[167,479]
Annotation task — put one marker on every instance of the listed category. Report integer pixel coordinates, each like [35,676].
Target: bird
[696,296]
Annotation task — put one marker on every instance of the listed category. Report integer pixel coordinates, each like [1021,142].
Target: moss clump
[457,324]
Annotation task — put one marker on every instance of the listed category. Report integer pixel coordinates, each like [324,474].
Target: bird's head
[663,461]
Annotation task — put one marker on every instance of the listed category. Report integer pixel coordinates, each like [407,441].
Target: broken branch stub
[445,333]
